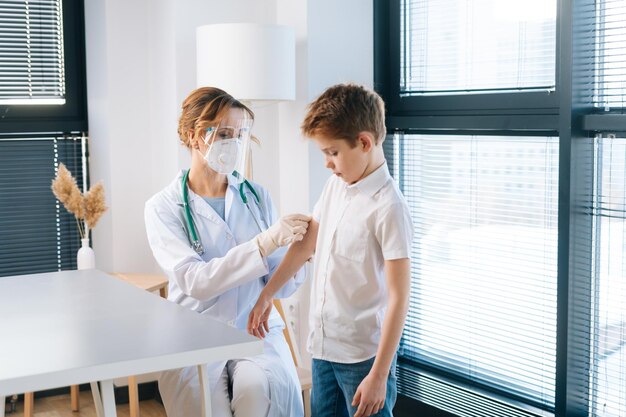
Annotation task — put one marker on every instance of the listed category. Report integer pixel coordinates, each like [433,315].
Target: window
[508,141]
[456,46]
[43,111]
[37,232]
[610,48]
[32,53]
[483,296]
[42,76]
[607,388]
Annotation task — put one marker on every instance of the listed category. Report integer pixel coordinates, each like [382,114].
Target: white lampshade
[249,61]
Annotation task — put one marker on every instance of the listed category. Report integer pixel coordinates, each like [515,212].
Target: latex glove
[287,229]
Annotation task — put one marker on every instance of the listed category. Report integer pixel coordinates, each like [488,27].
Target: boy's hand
[370,395]
[259,316]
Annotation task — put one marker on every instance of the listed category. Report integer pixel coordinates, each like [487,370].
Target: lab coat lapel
[204,209]
[228,203]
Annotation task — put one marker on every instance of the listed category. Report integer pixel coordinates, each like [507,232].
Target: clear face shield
[228,147]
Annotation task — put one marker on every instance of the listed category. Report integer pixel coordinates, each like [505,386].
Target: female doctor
[218,239]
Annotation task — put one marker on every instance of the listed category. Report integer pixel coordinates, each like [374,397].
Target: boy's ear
[365,140]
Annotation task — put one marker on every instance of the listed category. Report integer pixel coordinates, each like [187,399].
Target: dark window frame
[72,116]
[529,110]
[569,113]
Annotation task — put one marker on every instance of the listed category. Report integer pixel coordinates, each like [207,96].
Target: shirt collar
[371,184]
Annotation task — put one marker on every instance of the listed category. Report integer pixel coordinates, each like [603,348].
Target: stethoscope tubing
[196,244]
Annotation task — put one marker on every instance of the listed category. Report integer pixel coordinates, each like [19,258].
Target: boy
[361,234]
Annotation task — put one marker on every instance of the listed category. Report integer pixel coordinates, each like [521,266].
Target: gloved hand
[287,229]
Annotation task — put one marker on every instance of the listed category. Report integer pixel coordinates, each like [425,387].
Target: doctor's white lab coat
[224,283]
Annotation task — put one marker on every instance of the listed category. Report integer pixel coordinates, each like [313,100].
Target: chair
[304,375]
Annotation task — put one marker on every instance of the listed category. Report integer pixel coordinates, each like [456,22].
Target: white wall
[352,21]
[141,65]
[118,46]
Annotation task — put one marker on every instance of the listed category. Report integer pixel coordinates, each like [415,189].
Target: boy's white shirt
[361,226]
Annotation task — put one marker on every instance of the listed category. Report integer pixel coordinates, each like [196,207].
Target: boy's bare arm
[370,395]
[296,256]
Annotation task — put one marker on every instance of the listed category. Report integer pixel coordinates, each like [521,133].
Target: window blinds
[459,47]
[483,266]
[608,335]
[37,234]
[31,52]
[610,47]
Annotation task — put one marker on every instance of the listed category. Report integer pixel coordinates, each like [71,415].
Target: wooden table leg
[133,396]
[306,398]
[29,404]
[74,397]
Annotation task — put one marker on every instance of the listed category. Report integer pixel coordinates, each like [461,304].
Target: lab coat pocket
[351,241]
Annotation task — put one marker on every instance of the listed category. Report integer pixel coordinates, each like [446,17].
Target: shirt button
[231,323]
[228,236]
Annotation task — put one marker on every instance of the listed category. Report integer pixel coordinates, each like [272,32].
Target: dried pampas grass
[88,207]
[66,191]
[94,205]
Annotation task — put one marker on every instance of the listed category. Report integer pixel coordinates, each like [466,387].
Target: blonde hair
[343,111]
[203,108]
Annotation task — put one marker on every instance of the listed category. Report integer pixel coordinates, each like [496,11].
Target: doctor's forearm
[296,256]
[208,279]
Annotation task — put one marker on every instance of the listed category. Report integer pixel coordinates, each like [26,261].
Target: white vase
[85,258]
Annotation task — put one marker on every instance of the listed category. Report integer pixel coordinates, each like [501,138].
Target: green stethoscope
[192,233]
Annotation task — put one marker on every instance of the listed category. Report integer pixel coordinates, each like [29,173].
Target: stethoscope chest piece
[197,246]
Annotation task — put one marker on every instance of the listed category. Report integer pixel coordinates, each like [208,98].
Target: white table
[74,327]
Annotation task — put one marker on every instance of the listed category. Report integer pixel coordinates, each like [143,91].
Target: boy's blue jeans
[334,385]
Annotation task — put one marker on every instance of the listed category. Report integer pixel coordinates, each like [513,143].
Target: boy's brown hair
[343,111]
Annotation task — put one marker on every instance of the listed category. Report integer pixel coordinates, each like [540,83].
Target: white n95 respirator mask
[223,155]
[228,147]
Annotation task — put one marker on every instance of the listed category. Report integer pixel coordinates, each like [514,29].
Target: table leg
[74,392]
[97,401]
[29,404]
[3,404]
[108,398]
[205,390]
[133,396]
